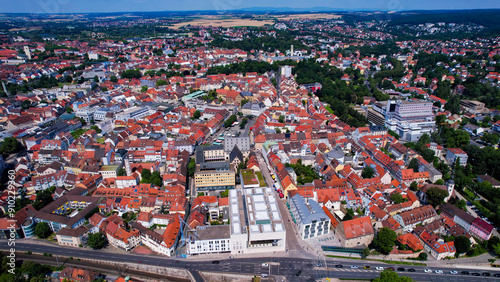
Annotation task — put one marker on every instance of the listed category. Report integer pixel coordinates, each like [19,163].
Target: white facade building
[210,239]
[256,223]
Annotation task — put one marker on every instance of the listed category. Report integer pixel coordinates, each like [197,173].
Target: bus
[216,143]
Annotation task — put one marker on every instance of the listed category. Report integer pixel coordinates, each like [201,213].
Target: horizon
[222,6]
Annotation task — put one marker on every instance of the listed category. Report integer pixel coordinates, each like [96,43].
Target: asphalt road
[288,267]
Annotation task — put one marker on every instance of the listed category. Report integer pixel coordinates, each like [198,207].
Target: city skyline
[93,6]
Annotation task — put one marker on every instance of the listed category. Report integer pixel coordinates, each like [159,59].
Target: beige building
[213,170]
[72,237]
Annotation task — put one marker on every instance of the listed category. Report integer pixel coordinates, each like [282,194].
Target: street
[287,266]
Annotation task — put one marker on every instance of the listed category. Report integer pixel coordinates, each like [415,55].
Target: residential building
[458,216]
[452,154]
[481,229]
[72,237]
[309,217]
[436,246]
[421,215]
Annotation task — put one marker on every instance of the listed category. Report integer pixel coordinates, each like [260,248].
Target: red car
[281,195]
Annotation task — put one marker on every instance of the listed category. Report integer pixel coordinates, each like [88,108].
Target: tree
[390,276]
[243,102]
[439,182]
[366,252]
[422,256]
[281,119]
[385,240]
[367,172]
[10,145]
[161,82]
[113,79]
[414,186]
[413,164]
[42,199]
[42,230]
[69,110]
[230,121]
[121,172]
[196,114]
[428,155]
[224,194]
[462,244]
[144,89]
[491,138]
[397,198]
[96,241]
[156,179]
[145,175]
[191,167]
[394,134]
[435,196]
[96,78]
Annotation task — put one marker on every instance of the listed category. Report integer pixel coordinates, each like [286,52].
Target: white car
[379,268]
[265,264]
[453,272]
[354,266]
[427,270]
[438,271]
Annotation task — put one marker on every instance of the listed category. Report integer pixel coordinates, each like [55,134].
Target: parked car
[391,268]
[339,266]
[401,269]
[496,274]
[486,274]
[265,264]
[453,272]
[465,272]
[427,270]
[318,264]
[379,268]
[354,266]
[475,274]
[438,271]
[367,267]
[215,262]
[411,270]
[298,273]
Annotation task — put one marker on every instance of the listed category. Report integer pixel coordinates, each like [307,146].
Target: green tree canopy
[367,172]
[413,164]
[397,198]
[156,179]
[196,114]
[385,240]
[391,276]
[435,196]
[121,172]
[414,186]
[462,244]
[10,145]
[97,241]
[145,176]
[42,230]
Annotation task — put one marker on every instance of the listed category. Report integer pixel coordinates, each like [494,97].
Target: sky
[89,6]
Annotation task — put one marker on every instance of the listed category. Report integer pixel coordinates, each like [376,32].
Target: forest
[282,42]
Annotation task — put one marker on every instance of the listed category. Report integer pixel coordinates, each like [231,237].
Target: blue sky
[85,6]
